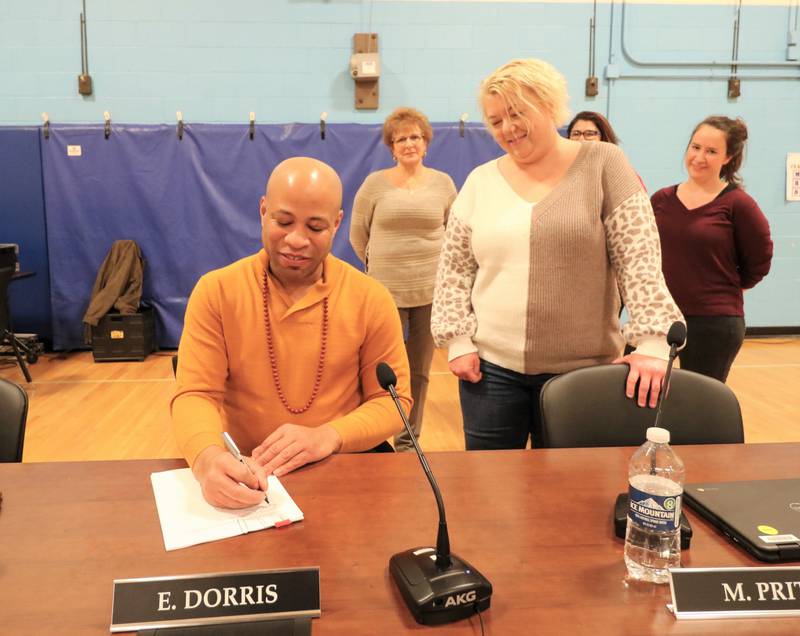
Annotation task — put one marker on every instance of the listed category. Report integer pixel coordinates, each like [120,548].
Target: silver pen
[234,450]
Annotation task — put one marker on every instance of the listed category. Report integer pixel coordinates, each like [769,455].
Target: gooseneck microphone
[387,379]
[438,587]
[676,336]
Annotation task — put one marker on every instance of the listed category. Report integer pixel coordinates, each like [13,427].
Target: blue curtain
[22,221]
[192,204]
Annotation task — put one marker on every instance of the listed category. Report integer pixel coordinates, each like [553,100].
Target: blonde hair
[547,86]
[406,116]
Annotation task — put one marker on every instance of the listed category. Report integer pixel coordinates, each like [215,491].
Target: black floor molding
[772,331]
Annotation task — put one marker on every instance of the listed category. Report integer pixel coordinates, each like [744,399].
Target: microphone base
[439,595]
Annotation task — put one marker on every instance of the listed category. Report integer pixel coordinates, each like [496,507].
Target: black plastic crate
[119,337]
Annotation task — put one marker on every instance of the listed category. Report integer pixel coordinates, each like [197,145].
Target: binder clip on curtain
[461,123]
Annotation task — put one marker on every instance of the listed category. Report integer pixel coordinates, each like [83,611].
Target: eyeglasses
[414,139]
[586,134]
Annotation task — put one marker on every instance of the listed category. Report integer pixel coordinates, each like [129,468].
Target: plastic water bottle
[655,477]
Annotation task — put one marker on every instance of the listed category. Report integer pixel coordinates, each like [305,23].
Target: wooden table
[536,523]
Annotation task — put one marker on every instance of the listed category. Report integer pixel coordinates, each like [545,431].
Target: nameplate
[735,592]
[206,599]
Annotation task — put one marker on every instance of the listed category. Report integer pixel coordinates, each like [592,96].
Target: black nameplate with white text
[735,592]
[205,599]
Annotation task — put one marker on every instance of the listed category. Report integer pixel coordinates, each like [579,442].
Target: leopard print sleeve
[452,314]
[635,251]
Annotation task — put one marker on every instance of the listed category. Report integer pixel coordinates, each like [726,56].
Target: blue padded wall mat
[22,221]
[192,204]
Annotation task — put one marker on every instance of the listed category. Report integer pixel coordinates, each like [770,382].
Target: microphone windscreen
[676,334]
[386,376]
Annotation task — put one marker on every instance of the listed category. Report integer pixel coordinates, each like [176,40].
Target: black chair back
[588,407]
[13,414]
[383,447]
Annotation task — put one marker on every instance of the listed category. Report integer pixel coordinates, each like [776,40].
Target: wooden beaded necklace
[273,360]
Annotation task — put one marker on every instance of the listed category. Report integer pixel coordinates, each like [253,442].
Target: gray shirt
[398,233]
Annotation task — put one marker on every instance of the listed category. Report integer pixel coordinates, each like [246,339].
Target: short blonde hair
[548,86]
[406,116]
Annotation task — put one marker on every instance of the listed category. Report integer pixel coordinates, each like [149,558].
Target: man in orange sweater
[279,349]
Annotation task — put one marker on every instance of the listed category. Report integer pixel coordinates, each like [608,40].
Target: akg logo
[460,599]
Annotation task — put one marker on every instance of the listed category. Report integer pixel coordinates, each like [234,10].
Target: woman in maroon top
[715,242]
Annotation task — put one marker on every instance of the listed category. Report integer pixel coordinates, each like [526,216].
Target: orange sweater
[225,378]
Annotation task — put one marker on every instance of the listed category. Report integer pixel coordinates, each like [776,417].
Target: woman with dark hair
[397,230]
[715,242]
[588,125]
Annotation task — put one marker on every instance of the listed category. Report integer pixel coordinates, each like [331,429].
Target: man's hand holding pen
[233,449]
[227,482]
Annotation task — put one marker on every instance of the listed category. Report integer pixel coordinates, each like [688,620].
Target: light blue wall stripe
[287,61]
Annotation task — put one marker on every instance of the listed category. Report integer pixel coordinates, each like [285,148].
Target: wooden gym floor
[82,410]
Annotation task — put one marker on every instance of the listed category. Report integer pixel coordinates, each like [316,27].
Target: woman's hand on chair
[648,372]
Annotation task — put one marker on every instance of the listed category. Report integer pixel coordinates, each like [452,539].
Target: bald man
[279,349]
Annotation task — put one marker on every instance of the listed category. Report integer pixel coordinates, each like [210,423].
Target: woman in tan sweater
[538,243]
[397,228]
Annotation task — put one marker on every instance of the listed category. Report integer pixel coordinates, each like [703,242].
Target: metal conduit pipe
[639,62]
[648,76]
[610,56]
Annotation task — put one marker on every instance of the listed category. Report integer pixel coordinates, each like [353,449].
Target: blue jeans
[502,410]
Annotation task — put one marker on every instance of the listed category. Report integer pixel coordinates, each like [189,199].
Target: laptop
[763,516]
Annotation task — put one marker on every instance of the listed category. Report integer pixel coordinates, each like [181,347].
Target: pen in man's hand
[234,450]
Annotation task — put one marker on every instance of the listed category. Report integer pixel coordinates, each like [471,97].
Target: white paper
[793,176]
[188,519]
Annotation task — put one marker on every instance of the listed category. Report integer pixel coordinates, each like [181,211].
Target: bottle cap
[658,435]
